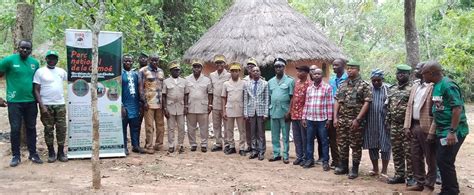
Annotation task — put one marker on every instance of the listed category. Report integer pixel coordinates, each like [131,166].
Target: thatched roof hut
[264,30]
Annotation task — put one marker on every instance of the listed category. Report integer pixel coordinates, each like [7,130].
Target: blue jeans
[134,124]
[318,129]
[27,111]
[299,138]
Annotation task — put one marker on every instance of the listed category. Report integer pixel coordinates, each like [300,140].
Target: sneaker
[35,159]
[15,161]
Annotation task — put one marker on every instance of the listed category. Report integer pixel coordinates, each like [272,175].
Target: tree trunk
[411,34]
[25,16]
[23,30]
[99,22]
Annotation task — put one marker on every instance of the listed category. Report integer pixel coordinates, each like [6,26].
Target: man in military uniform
[175,95]
[281,91]
[351,105]
[218,78]
[397,105]
[200,105]
[233,109]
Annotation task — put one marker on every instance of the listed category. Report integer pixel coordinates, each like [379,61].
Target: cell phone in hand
[444,141]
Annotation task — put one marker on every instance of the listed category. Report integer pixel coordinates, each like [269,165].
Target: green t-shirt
[446,95]
[19,75]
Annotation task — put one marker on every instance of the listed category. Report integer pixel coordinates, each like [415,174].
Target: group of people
[413,121]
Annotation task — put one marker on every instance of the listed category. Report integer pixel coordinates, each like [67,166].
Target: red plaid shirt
[319,102]
[298,99]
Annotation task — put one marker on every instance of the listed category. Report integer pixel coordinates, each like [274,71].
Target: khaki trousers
[217,126]
[154,121]
[229,132]
[175,122]
[193,121]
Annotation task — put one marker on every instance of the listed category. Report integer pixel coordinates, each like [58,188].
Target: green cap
[403,67]
[51,52]
[354,63]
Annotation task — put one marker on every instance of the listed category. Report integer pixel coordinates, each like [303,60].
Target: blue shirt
[130,95]
[336,82]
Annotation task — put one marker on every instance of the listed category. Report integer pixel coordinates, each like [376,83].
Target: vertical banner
[79,64]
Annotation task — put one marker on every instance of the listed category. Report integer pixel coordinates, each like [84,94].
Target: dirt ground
[200,173]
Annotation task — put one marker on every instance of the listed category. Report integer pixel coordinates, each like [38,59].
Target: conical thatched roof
[264,29]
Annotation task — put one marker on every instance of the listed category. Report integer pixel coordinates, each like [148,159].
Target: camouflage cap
[235,66]
[219,58]
[174,64]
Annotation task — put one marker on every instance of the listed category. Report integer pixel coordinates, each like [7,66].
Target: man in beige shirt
[199,105]
[218,78]
[151,82]
[233,110]
[175,95]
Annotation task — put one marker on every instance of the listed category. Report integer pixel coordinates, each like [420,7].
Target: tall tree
[411,34]
[25,15]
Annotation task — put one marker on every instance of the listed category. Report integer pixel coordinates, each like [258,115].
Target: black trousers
[27,111]
[446,157]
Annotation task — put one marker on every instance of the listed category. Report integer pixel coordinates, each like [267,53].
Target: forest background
[371,32]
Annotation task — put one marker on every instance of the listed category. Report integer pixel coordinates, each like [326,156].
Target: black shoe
[261,157]
[51,154]
[298,161]
[15,161]
[343,168]
[215,148]
[181,150]
[308,164]
[138,150]
[438,179]
[286,161]
[203,149]
[355,171]
[226,149]
[411,181]
[35,159]
[171,150]
[230,151]
[273,159]
[253,155]
[248,150]
[333,165]
[193,148]
[242,153]
[63,158]
[396,180]
[326,167]
[126,151]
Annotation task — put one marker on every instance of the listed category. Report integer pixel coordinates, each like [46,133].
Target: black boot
[51,154]
[355,170]
[343,168]
[61,156]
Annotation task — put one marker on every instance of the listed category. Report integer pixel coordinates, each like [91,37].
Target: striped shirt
[376,135]
[319,103]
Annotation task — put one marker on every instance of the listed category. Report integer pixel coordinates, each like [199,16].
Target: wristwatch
[452,130]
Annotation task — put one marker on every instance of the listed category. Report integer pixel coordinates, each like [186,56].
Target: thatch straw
[264,29]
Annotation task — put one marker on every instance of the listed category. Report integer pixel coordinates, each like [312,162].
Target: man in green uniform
[281,90]
[451,124]
[397,102]
[19,70]
[351,105]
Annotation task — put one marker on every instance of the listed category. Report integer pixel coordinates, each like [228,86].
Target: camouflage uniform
[56,118]
[397,102]
[351,96]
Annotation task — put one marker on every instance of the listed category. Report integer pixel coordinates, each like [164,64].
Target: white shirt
[417,101]
[51,81]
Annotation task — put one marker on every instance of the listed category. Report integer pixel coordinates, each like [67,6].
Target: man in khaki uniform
[233,109]
[175,95]
[151,82]
[199,106]
[218,78]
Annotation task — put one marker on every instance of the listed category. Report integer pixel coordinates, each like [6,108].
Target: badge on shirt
[33,66]
[438,102]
